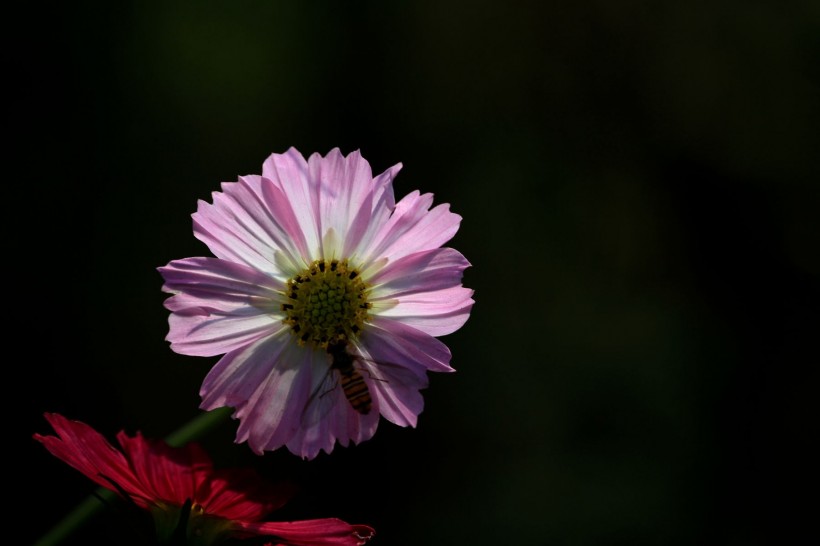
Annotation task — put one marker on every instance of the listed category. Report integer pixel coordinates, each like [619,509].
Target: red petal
[172,474]
[313,532]
[87,450]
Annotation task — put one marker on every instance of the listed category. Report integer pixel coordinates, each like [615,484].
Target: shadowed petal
[173,474]
[389,340]
[271,414]
[237,375]
[395,390]
[329,418]
[241,494]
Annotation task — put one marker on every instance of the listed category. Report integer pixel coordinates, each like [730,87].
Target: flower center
[190,524]
[327,302]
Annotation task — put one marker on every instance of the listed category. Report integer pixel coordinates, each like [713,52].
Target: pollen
[326,303]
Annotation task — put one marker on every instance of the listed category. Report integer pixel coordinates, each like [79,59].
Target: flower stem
[94,503]
[77,517]
[197,426]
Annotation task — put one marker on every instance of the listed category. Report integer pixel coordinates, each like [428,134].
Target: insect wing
[324,395]
[327,391]
[396,375]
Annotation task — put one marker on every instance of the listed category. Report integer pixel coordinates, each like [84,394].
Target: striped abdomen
[353,385]
[355,390]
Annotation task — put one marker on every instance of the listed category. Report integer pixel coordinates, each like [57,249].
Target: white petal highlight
[216,333]
[289,172]
[219,306]
[435,313]
[425,271]
[413,228]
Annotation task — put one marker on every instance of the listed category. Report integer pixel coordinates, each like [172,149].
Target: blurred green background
[639,187]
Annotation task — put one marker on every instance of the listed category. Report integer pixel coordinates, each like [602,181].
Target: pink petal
[395,390]
[237,375]
[399,372]
[219,333]
[388,340]
[272,413]
[257,208]
[289,173]
[373,213]
[260,213]
[344,183]
[219,278]
[413,228]
[435,313]
[359,226]
[383,189]
[399,404]
[277,202]
[424,271]
[342,424]
[423,290]
[219,306]
[278,412]
[229,240]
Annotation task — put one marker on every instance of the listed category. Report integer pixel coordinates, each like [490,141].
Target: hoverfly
[346,371]
[355,373]
[355,389]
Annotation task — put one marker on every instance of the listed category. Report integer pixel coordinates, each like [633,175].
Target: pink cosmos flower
[325,297]
[184,493]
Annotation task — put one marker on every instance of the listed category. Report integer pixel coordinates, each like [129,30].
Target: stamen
[327,303]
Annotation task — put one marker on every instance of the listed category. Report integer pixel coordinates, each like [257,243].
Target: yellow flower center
[327,303]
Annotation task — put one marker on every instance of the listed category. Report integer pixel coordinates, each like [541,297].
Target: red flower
[180,486]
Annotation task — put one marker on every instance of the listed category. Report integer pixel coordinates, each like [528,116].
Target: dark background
[639,187]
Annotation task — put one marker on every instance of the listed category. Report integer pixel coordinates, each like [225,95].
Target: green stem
[77,517]
[94,504]
[197,426]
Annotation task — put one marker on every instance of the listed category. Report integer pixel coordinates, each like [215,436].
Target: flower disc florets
[327,303]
